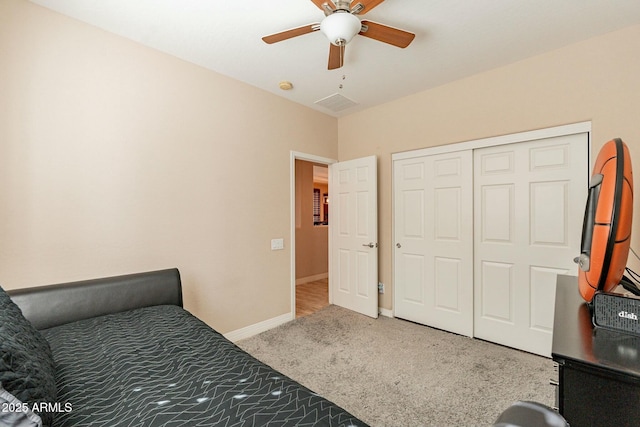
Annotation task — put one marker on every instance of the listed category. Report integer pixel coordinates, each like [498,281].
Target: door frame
[550,132]
[493,141]
[295,155]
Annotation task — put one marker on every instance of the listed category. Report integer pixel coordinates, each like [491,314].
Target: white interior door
[353,223]
[433,230]
[529,205]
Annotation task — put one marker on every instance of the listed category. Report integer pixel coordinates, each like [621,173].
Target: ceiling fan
[341,24]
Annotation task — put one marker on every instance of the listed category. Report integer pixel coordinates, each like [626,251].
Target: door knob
[398,245]
[370,245]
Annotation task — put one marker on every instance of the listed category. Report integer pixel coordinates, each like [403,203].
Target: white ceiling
[454,39]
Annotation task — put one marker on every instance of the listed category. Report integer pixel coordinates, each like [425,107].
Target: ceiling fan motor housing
[340,27]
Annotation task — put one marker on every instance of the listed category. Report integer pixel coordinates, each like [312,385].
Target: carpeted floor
[389,372]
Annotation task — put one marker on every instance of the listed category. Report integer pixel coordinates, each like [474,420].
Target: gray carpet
[390,372]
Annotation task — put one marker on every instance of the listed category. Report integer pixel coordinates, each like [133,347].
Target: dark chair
[530,414]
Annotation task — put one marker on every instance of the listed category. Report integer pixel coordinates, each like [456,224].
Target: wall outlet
[277,244]
[380,288]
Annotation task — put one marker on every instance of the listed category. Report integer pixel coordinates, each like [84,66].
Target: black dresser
[598,369]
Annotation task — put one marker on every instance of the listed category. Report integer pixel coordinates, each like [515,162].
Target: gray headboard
[53,305]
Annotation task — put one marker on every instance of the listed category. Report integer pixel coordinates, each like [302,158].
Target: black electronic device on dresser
[616,311]
[598,368]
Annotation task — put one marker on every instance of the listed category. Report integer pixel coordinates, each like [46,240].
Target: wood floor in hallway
[311,297]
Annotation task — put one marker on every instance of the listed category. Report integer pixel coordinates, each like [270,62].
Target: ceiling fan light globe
[340,27]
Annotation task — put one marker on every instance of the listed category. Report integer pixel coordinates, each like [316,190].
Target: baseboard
[313,278]
[255,329]
[385,312]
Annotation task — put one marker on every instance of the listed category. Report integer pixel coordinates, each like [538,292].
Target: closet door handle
[370,245]
[398,245]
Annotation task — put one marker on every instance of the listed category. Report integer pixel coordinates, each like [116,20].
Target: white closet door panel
[433,264]
[411,270]
[529,206]
[410,227]
[498,219]
[447,271]
[497,293]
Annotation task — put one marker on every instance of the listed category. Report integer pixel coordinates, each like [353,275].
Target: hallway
[311,297]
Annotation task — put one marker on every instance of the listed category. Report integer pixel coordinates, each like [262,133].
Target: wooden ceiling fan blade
[320,4]
[386,34]
[294,32]
[336,56]
[367,5]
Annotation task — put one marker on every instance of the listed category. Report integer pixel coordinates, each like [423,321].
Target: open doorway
[353,226]
[311,232]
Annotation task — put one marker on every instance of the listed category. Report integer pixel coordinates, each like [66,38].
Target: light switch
[277,244]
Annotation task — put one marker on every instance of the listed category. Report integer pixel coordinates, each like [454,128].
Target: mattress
[161,366]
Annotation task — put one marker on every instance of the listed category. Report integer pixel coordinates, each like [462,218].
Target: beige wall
[596,80]
[312,242]
[116,158]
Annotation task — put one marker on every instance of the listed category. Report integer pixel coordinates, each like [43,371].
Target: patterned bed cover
[161,366]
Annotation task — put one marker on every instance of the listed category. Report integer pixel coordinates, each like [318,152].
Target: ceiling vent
[336,102]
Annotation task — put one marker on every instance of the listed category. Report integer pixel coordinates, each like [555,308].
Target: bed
[124,352]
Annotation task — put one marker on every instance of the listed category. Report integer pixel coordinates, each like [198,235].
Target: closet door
[433,259]
[529,206]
